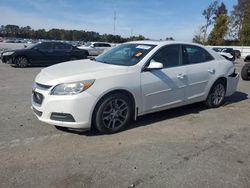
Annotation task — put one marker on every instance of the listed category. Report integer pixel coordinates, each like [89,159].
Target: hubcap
[218,94]
[22,62]
[115,113]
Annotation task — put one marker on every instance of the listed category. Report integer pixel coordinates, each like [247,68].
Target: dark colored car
[247,59]
[229,50]
[226,50]
[44,53]
[237,53]
[245,71]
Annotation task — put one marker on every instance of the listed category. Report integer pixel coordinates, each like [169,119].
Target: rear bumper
[232,83]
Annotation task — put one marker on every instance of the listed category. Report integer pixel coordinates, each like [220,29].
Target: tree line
[225,29]
[15,31]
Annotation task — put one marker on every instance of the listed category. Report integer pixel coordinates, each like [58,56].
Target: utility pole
[114,21]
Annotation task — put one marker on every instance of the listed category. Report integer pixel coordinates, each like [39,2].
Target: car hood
[76,71]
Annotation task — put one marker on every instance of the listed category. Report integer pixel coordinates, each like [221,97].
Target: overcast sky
[154,19]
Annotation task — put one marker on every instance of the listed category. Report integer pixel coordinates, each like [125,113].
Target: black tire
[113,113]
[21,62]
[216,95]
[245,72]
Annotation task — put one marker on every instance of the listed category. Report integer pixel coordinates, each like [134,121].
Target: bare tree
[209,16]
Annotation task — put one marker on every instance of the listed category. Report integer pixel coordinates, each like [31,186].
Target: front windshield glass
[125,54]
[33,45]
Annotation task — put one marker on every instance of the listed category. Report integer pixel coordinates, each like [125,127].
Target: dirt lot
[185,147]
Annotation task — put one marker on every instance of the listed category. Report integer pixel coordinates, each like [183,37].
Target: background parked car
[237,53]
[95,48]
[247,58]
[228,53]
[44,53]
[245,72]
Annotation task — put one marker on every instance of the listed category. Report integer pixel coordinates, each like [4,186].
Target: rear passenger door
[200,67]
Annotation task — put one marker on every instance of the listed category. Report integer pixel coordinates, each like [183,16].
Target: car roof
[100,42]
[162,43]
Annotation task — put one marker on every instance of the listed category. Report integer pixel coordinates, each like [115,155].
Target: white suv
[131,80]
[95,48]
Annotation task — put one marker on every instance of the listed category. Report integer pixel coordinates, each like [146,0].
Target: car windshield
[125,54]
[34,45]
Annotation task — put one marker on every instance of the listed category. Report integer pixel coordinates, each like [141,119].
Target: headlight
[7,53]
[72,88]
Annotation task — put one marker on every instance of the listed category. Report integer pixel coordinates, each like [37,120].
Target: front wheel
[113,113]
[21,62]
[216,95]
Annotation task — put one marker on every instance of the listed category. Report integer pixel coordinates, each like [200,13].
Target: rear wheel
[21,62]
[113,113]
[245,72]
[216,95]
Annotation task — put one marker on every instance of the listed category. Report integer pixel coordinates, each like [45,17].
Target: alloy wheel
[115,113]
[218,94]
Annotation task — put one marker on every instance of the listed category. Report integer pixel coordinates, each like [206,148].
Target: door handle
[211,71]
[181,76]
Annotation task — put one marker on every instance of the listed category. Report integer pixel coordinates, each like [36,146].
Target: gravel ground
[191,146]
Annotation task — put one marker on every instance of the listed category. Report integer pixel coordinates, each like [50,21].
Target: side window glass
[57,46]
[106,45]
[45,46]
[169,56]
[195,54]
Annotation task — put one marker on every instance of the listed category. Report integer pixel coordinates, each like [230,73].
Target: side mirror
[154,66]
[92,46]
[25,46]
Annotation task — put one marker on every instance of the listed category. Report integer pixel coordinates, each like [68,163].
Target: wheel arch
[21,55]
[222,78]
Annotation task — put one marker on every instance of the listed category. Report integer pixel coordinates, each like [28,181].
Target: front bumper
[73,111]
[7,59]
[232,83]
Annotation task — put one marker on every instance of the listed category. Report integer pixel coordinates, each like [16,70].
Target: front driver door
[165,87]
[43,53]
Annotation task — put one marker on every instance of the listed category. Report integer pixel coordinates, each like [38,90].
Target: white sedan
[131,80]
[96,48]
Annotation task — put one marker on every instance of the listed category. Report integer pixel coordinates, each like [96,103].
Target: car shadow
[149,119]
[238,96]
[30,67]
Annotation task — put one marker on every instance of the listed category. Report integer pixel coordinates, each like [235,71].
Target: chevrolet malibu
[131,80]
